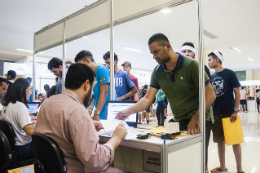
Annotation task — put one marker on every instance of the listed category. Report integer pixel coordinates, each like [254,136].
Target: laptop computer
[113,107]
[33,106]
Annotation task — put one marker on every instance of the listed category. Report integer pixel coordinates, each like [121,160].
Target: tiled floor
[250,148]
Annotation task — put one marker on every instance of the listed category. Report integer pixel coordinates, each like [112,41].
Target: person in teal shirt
[160,107]
[102,85]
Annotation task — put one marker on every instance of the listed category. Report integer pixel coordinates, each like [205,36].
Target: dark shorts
[242,102]
[218,133]
[148,109]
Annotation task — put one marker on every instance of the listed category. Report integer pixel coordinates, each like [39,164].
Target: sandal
[217,169]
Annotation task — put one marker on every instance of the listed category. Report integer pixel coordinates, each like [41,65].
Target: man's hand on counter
[98,125]
[121,115]
[193,127]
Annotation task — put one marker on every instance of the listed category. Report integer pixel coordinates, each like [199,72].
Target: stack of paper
[110,126]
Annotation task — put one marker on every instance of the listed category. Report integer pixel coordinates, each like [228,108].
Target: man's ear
[87,61]
[86,85]
[168,46]
[60,67]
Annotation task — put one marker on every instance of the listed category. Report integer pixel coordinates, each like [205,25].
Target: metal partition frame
[111,24]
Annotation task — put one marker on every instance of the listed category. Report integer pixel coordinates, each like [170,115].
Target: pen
[164,140]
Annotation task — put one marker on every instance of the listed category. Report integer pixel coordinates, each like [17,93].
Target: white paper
[26,170]
[110,126]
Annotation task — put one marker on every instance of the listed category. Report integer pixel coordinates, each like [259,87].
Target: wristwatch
[236,109]
[96,111]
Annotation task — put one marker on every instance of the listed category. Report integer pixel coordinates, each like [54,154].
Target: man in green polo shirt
[178,76]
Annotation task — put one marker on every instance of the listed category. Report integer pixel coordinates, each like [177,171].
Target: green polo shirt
[181,87]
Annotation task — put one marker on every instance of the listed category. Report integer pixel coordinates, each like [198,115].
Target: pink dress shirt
[242,95]
[64,118]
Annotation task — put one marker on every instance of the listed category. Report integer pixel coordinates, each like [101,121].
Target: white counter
[173,156]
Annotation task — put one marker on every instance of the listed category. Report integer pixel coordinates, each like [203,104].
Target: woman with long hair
[15,112]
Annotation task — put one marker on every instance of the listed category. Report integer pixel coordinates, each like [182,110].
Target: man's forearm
[237,100]
[139,106]
[129,94]
[101,100]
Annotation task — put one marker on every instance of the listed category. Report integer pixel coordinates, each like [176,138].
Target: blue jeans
[160,113]
[22,152]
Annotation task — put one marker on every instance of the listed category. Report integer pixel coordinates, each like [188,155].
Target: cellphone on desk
[143,136]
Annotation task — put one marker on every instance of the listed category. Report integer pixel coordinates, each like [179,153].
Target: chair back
[5,151]
[8,130]
[48,155]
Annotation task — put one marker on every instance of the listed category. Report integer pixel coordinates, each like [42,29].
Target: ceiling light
[236,49]
[251,59]
[85,37]
[24,50]
[253,170]
[133,49]
[208,34]
[165,11]
[29,51]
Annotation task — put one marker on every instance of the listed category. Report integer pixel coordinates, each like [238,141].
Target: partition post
[112,84]
[63,54]
[202,111]
[34,69]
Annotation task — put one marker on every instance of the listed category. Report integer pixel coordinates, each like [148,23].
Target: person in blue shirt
[125,87]
[226,86]
[102,86]
[31,96]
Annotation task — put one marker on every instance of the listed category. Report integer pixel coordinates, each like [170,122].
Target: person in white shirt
[3,90]
[15,112]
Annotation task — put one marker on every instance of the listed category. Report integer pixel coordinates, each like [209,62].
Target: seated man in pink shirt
[65,119]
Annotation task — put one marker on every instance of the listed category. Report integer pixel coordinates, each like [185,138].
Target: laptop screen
[114,107]
[33,106]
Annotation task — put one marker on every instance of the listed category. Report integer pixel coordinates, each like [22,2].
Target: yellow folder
[232,131]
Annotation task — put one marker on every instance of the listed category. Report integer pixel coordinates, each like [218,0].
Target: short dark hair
[160,38]
[3,80]
[188,44]
[40,95]
[145,86]
[257,90]
[83,55]
[78,74]
[12,73]
[54,63]
[52,91]
[29,79]
[46,87]
[242,87]
[107,55]
[215,56]
[17,92]
[68,62]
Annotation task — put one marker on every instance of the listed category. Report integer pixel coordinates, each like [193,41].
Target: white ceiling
[234,22]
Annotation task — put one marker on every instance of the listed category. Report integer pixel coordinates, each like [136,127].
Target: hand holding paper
[111,125]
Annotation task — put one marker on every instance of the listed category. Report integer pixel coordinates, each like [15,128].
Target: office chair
[48,155]
[8,131]
[5,153]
